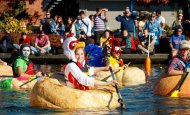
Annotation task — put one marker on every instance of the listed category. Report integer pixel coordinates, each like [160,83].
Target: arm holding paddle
[105,68]
[21,73]
[180,62]
[176,92]
[120,100]
[175,68]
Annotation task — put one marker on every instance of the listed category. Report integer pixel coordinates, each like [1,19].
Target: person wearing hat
[178,22]
[22,67]
[180,63]
[154,27]
[115,58]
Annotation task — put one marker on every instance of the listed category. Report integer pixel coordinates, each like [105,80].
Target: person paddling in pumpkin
[180,63]
[22,67]
[80,75]
[23,71]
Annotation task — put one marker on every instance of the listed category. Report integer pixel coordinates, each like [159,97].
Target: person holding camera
[127,22]
[100,20]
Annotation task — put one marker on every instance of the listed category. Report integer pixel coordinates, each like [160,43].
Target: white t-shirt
[85,25]
[160,19]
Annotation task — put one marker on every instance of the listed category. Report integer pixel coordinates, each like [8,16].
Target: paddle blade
[148,65]
[175,93]
[122,104]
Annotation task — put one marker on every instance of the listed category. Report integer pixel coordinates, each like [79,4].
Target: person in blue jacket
[127,22]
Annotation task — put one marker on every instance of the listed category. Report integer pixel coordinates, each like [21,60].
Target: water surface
[139,100]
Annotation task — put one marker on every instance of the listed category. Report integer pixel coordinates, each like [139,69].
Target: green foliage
[34,29]
[15,8]
[169,30]
[19,7]
[13,25]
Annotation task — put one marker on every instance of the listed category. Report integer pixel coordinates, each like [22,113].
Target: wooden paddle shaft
[182,81]
[116,87]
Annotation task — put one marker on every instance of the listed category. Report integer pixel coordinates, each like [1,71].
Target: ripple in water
[139,100]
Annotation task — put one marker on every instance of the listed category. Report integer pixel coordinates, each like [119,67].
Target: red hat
[116,49]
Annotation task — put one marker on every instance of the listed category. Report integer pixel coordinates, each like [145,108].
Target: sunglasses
[47,14]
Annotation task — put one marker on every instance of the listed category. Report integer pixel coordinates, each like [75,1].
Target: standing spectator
[127,22]
[100,19]
[160,19]
[154,27]
[6,44]
[70,27]
[84,23]
[175,41]
[91,17]
[127,43]
[60,27]
[141,23]
[42,44]
[144,42]
[48,25]
[178,22]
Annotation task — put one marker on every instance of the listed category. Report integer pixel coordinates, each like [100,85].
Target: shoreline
[158,58]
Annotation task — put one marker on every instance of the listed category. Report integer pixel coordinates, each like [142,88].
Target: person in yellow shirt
[106,39]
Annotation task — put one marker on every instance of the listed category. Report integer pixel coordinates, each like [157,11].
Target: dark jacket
[127,23]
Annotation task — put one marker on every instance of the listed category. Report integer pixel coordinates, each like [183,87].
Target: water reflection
[139,100]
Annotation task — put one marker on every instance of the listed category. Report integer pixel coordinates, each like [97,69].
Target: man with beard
[48,25]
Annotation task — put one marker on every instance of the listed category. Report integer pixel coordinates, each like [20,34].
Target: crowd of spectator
[134,36]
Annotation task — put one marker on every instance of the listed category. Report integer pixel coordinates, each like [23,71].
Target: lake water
[139,101]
